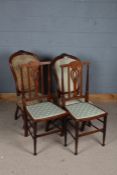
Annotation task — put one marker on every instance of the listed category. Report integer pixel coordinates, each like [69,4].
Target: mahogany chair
[56,63]
[72,85]
[16,60]
[42,109]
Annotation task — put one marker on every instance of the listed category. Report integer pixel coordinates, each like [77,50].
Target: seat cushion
[20,104]
[44,110]
[70,102]
[84,110]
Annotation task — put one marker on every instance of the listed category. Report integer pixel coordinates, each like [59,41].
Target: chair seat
[44,110]
[70,102]
[84,110]
[20,104]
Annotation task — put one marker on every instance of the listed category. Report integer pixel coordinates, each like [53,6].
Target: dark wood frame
[31,123]
[101,118]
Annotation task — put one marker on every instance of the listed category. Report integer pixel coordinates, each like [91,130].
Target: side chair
[43,108]
[15,61]
[71,80]
[56,64]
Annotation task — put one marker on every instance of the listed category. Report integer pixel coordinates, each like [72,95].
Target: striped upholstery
[44,110]
[83,110]
[58,64]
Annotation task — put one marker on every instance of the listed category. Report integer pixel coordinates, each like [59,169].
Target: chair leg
[16,112]
[83,126]
[104,130]
[25,125]
[76,137]
[65,131]
[62,133]
[89,123]
[35,138]
[47,125]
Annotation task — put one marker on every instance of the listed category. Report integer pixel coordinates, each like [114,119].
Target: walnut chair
[42,109]
[72,83]
[16,60]
[56,63]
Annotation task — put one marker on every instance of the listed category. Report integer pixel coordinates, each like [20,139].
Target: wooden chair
[80,110]
[42,109]
[16,60]
[56,63]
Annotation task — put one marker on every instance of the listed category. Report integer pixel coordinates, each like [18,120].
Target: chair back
[66,87]
[16,60]
[75,77]
[38,74]
[57,62]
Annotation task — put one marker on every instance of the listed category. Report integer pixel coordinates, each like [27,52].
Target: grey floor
[53,158]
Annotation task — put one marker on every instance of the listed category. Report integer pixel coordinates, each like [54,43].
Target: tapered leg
[16,112]
[104,130]
[35,138]
[63,127]
[25,125]
[65,131]
[83,126]
[76,137]
[47,125]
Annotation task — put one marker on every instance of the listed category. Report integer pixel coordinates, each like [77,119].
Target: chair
[56,63]
[42,109]
[72,83]
[17,59]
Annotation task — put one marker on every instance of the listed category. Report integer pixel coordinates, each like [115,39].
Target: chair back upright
[38,75]
[75,81]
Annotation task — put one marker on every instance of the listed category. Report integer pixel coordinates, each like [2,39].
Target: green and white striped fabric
[83,110]
[44,110]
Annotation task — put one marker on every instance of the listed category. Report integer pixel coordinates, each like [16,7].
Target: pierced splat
[76,76]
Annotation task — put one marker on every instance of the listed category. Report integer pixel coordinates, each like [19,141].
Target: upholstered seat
[69,102]
[44,110]
[83,110]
